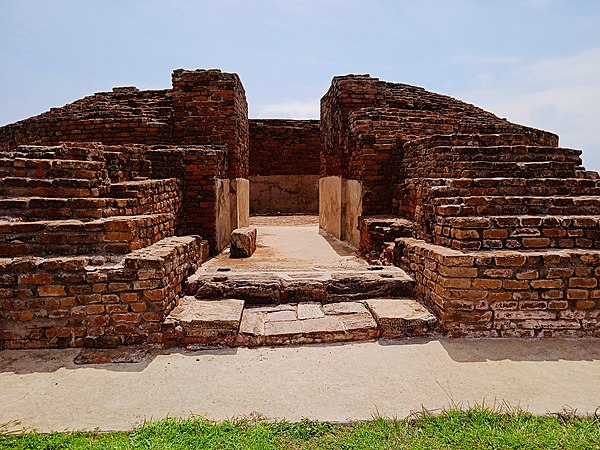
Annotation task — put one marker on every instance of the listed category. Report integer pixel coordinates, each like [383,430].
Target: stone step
[203,322]
[290,287]
[140,188]
[114,235]
[55,187]
[518,232]
[507,153]
[485,138]
[231,322]
[305,323]
[476,167]
[517,205]
[71,151]
[490,169]
[401,317]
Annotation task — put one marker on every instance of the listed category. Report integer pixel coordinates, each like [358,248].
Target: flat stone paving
[306,322]
[208,321]
[45,390]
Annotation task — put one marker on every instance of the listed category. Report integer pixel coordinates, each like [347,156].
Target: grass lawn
[472,429]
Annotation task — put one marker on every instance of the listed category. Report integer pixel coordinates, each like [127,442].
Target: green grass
[477,428]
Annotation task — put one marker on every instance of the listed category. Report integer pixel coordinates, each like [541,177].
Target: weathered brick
[560,272]
[487,283]
[547,284]
[35,278]
[582,282]
[509,260]
[515,284]
[52,290]
[585,304]
[576,294]
[558,304]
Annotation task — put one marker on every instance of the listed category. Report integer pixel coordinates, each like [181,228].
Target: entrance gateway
[115,210]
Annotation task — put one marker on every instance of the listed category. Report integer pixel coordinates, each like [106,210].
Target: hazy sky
[535,62]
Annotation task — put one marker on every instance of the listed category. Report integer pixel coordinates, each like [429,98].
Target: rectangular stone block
[243,242]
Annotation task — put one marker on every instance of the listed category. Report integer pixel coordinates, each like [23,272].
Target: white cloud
[293,109]
[577,68]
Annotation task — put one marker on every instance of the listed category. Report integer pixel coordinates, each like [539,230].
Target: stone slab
[305,323]
[207,320]
[309,310]
[398,317]
[344,308]
[317,285]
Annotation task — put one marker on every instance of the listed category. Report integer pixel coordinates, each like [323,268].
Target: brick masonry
[508,294]
[109,203]
[284,147]
[102,205]
[284,166]
[456,195]
[89,301]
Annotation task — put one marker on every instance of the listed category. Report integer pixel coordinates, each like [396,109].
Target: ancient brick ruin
[109,207]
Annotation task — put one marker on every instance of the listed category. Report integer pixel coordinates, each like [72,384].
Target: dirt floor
[290,243]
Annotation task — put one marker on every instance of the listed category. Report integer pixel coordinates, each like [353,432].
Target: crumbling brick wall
[508,294]
[210,108]
[85,301]
[366,122]
[284,147]
[123,116]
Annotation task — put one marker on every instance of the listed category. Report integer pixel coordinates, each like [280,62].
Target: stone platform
[229,322]
[299,287]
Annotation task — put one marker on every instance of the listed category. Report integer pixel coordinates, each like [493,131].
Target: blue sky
[535,62]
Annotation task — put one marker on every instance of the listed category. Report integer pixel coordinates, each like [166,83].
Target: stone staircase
[295,307]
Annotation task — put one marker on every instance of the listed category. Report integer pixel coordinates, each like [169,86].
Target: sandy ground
[46,391]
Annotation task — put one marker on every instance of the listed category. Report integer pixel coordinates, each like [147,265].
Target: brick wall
[284,166]
[204,107]
[346,94]
[197,169]
[209,108]
[125,115]
[108,236]
[284,147]
[86,301]
[524,294]
[366,122]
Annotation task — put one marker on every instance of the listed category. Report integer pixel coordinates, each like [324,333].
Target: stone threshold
[230,322]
